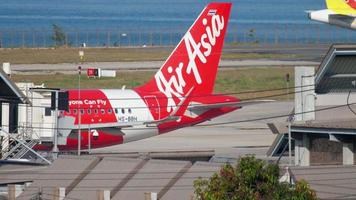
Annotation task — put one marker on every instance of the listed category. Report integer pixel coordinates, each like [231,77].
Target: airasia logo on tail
[173,84]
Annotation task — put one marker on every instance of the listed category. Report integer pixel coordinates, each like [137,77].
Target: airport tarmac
[205,138]
[71,68]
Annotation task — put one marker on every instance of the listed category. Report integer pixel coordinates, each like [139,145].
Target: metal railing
[36,130]
[250,34]
[19,146]
[29,134]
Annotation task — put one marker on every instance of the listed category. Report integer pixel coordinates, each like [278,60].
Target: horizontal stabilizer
[240,104]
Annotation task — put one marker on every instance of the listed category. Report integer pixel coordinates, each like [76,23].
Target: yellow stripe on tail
[340,7]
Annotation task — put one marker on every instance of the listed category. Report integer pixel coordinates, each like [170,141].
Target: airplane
[341,13]
[179,95]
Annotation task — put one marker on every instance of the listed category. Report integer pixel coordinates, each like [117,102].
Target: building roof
[129,178]
[125,178]
[16,172]
[9,92]
[341,127]
[337,70]
[62,173]
[332,124]
[329,119]
[183,188]
[329,182]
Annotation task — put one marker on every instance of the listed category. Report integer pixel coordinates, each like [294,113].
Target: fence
[262,34]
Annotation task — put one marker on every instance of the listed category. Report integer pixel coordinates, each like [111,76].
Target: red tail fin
[194,62]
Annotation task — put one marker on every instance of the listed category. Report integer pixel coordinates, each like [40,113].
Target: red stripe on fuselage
[96,107]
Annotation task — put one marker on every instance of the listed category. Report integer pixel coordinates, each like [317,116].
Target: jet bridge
[15,141]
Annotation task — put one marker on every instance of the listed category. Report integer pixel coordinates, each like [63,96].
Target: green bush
[250,179]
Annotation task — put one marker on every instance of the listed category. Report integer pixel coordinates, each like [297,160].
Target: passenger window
[48,111]
[129,111]
[122,111]
[102,111]
[89,111]
[82,111]
[68,112]
[96,111]
[75,111]
[116,110]
[109,111]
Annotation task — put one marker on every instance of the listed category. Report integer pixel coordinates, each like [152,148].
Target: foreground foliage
[250,179]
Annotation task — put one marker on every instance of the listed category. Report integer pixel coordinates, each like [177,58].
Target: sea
[29,23]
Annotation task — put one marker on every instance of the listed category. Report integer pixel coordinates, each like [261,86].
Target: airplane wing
[240,104]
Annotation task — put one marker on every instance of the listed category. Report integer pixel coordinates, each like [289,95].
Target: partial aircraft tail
[194,62]
[342,7]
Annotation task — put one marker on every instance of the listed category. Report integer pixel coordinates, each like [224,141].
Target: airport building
[323,122]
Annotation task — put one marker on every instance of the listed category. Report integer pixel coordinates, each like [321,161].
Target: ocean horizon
[29,22]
